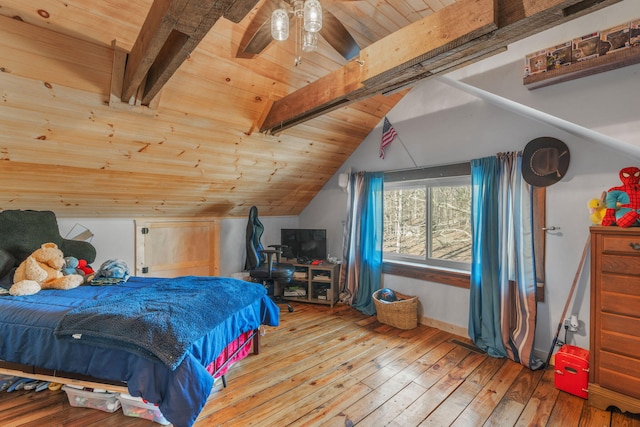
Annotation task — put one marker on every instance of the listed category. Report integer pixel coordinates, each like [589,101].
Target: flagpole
[389,134]
[405,149]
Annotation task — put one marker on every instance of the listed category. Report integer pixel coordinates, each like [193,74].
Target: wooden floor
[337,367]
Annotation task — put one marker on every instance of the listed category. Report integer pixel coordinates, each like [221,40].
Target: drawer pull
[635,246]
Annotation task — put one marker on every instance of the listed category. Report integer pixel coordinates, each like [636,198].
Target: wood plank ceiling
[224,132]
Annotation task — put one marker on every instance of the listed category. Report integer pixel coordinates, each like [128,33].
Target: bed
[82,331]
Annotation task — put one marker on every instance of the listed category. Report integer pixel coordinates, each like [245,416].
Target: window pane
[405,230]
[451,223]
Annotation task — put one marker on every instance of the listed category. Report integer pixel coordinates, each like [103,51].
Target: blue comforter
[162,320]
[27,327]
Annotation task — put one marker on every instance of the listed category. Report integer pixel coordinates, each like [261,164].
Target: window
[427,223]
[442,252]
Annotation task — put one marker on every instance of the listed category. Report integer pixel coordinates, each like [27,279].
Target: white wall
[112,238]
[439,124]
[115,238]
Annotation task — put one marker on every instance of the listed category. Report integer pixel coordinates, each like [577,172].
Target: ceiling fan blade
[258,34]
[260,39]
[337,36]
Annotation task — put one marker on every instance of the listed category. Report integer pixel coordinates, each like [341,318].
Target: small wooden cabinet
[171,247]
[314,283]
[614,377]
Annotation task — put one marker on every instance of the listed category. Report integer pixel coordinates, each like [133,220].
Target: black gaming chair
[260,263]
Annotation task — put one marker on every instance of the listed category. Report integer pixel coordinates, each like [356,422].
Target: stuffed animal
[43,270]
[70,265]
[597,209]
[73,265]
[627,197]
[84,267]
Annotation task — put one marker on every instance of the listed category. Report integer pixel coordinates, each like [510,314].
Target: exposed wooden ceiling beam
[170,33]
[455,36]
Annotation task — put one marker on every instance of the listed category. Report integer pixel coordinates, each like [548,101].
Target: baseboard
[444,326]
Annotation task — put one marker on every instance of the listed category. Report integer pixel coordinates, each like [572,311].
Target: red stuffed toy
[86,268]
[623,202]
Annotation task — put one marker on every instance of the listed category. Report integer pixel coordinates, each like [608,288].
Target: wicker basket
[401,314]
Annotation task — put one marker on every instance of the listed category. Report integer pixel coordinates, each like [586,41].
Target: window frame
[422,271]
[462,279]
[428,185]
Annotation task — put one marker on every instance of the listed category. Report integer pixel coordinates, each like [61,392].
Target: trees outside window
[428,222]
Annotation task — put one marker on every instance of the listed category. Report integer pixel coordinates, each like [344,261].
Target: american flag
[388,135]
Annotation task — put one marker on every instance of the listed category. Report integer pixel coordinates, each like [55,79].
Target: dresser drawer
[622,382]
[622,264]
[619,343]
[624,285]
[619,373]
[626,244]
[620,303]
[625,325]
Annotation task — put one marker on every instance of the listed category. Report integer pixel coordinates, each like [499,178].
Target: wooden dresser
[614,377]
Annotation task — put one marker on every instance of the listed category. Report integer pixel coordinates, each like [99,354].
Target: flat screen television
[304,243]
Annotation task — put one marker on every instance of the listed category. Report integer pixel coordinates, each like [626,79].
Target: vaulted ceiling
[210,129]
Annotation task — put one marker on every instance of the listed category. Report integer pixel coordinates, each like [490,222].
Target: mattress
[27,326]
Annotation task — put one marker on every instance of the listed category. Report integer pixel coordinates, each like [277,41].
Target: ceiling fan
[258,34]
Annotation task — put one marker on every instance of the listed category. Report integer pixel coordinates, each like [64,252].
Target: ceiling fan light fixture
[312,16]
[309,41]
[298,8]
[280,25]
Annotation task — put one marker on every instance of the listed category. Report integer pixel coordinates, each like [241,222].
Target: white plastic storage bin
[103,401]
[136,407]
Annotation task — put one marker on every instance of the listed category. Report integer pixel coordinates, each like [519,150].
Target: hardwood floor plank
[457,401]
[625,420]
[539,407]
[386,413]
[338,367]
[39,405]
[380,395]
[422,407]
[480,408]
[487,371]
[333,409]
[442,367]
[403,357]
[592,417]
[290,392]
[567,409]
[446,413]
[512,404]
[285,376]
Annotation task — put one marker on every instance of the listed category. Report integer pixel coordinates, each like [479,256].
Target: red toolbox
[572,370]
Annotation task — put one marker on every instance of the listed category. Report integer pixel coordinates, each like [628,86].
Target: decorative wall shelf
[611,61]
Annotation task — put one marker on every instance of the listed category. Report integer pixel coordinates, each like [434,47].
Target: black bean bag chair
[23,231]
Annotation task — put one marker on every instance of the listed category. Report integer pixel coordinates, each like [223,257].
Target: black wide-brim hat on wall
[545,161]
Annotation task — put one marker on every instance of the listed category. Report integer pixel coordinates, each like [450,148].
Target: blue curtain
[362,265]
[484,305]
[502,295]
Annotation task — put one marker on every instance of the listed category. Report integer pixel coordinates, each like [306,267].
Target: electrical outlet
[572,324]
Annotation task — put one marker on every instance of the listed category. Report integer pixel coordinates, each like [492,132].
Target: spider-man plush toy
[627,197]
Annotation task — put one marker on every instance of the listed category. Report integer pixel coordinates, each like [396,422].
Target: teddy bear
[43,270]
